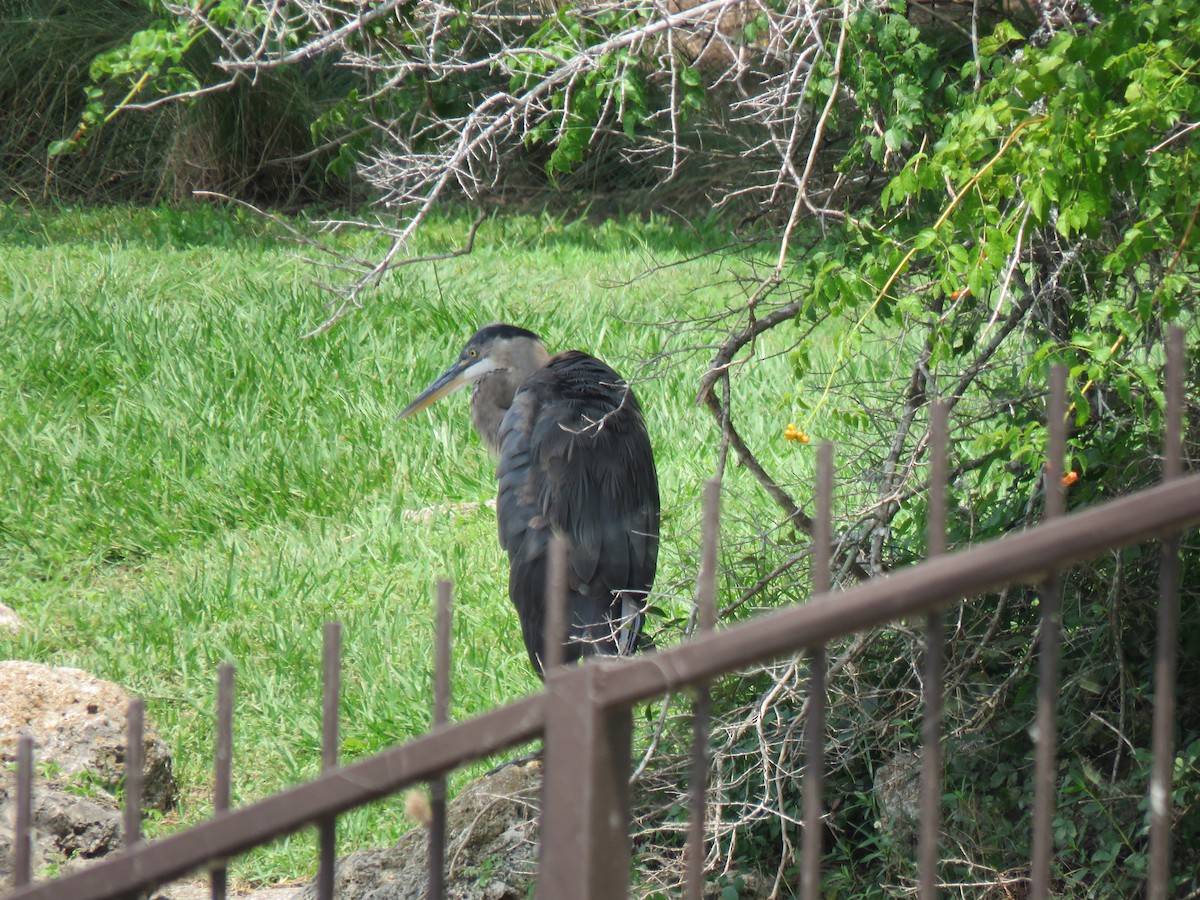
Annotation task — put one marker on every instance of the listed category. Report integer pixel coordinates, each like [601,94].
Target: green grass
[188,481]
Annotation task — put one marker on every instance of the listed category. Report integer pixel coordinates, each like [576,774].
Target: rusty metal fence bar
[222,767]
[22,826]
[1024,557]
[135,765]
[931,725]
[585,849]
[441,715]
[814,734]
[331,681]
[1162,750]
[1049,651]
[585,714]
[345,788]
[706,617]
[584,846]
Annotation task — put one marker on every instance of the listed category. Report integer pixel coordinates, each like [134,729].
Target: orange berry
[792,433]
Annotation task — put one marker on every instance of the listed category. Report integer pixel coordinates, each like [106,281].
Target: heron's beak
[459,375]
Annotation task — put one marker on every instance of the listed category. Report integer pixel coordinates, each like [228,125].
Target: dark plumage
[573,458]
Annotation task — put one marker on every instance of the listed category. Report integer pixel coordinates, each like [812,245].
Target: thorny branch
[515,89]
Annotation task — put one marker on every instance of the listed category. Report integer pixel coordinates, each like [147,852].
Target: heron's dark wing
[575,459]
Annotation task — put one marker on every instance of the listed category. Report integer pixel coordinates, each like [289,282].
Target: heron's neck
[493,395]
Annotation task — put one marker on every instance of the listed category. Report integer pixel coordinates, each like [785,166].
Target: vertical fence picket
[441,715]
[331,658]
[1049,648]
[706,603]
[814,733]
[1167,639]
[22,824]
[135,759]
[931,726]
[585,851]
[222,766]
[554,652]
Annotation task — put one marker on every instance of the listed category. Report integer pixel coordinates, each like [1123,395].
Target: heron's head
[492,350]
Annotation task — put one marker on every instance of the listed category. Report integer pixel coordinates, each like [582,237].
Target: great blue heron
[574,459]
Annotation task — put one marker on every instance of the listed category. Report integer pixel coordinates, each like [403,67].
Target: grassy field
[188,481]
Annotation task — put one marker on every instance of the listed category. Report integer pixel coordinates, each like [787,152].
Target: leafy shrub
[1035,204]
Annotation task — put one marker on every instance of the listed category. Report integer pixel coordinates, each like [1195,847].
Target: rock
[78,724]
[898,799]
[491,846]
[897,789]
[65,827]
[9,620]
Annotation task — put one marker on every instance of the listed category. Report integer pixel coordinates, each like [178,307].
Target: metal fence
[584,714]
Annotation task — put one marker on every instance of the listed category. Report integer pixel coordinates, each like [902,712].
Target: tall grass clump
[46,48]
[254,140]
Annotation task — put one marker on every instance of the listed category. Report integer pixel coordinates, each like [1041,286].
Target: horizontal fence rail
[1016,558]
[151,864]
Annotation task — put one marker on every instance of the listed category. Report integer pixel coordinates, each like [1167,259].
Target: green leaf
[1004,33]
[629,125]
[1037,199]
[925,238]
[342,165]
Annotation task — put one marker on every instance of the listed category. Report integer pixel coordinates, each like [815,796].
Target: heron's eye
[473,353]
